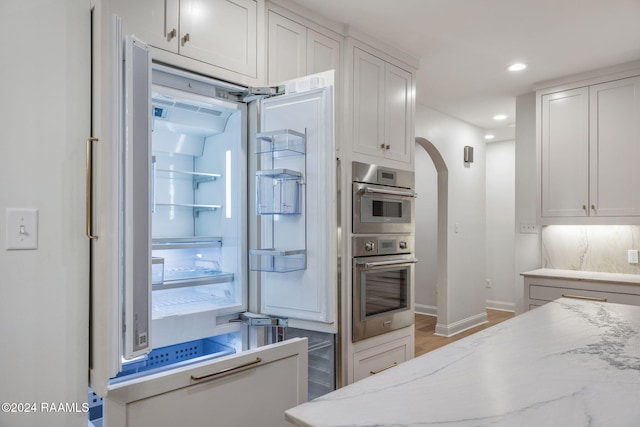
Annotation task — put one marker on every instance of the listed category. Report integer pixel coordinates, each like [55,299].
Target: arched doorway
[440,248]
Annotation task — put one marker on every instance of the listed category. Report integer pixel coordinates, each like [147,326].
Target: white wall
[44,116]
[426,232]
[528,246]
[462,304]
[500,160]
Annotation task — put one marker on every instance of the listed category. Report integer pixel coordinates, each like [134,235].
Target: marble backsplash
[590,248]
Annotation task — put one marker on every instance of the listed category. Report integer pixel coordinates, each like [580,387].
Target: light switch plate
[22,229]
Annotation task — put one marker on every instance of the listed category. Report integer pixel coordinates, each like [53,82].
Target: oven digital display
[386,209]
[386,245]
[386,291]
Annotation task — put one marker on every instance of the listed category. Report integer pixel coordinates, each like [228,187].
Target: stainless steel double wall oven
[383,249]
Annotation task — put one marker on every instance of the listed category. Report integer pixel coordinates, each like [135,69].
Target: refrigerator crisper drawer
[174,356]
[188,261]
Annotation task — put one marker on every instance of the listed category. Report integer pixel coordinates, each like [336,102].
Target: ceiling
[465,46]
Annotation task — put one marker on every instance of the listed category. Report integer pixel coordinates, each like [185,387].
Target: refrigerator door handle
[89,190]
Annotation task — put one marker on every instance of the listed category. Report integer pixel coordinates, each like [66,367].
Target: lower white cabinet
[379,358]
[544,285]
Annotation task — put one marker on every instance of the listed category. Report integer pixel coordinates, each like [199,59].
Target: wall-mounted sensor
[468,154]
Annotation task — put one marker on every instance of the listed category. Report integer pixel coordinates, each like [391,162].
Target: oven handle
[408,193]
[372,264]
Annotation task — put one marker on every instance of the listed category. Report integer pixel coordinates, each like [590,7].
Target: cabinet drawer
[549,293]
[380,358]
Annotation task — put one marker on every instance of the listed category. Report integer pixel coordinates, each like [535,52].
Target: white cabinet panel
[223,33]
[153,21]
[589,152]
[220,32]
[253,388]
[565,153]
[323,53]
[398,113]
[380,358]
[296,51]
[368,103]
[615,148]
[287,49]
[382,108]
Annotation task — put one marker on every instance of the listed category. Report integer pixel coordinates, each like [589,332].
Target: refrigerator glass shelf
[175,302]
[197,177]
[196,208]
[280,143]
[186,242]
[277,261]
[191,280]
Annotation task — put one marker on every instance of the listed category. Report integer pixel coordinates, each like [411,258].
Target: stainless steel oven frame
[383,200]
[393,254]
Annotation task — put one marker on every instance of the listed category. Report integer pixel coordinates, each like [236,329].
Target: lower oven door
[382,294]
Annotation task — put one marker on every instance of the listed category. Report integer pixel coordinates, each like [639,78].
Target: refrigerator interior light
[228,184]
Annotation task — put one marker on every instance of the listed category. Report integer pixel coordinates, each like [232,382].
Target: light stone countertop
[567,363]
[593,276]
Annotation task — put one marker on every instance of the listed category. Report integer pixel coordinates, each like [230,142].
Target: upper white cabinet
[383,108]
[223,33]
[295,50]
[589,154]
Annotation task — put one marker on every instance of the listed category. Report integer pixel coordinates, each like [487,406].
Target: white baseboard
[501,305]
[461,325]
[427,310]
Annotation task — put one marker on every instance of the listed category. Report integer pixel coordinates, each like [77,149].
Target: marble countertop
[593,276]
[567,363]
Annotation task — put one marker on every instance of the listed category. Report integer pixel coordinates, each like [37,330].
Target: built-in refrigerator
[211,211]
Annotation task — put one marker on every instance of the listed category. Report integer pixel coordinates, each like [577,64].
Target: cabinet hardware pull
[585,298]
[593,207]
[387,147]
[227,370]
[89,188]
[584,208]
[382,146]
[185,39]
[394,364]
[172,34]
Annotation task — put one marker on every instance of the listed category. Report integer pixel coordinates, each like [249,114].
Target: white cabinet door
[296,51]
[323,53]
[220,32]
[382,108]
[287,49]
[398,113]
[253,388]
[615,148]
[368,103]
[565,154]
[382,357]
[153,21]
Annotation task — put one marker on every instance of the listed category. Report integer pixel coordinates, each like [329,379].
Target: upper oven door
[382,209]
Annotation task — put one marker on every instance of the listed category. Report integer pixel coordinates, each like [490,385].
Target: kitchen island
[567,363]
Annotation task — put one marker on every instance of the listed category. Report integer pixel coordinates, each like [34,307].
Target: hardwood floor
[426,341]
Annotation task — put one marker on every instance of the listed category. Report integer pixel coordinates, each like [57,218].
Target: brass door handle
[393,365]
[89,189]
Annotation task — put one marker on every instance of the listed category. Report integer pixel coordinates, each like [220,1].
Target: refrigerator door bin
[278,192]
[277,261]
[280,143]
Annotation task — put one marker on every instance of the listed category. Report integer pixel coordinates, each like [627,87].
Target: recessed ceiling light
[518,66]
[489,136]
[500,117]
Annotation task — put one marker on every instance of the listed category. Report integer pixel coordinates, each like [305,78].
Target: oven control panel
[383,245]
